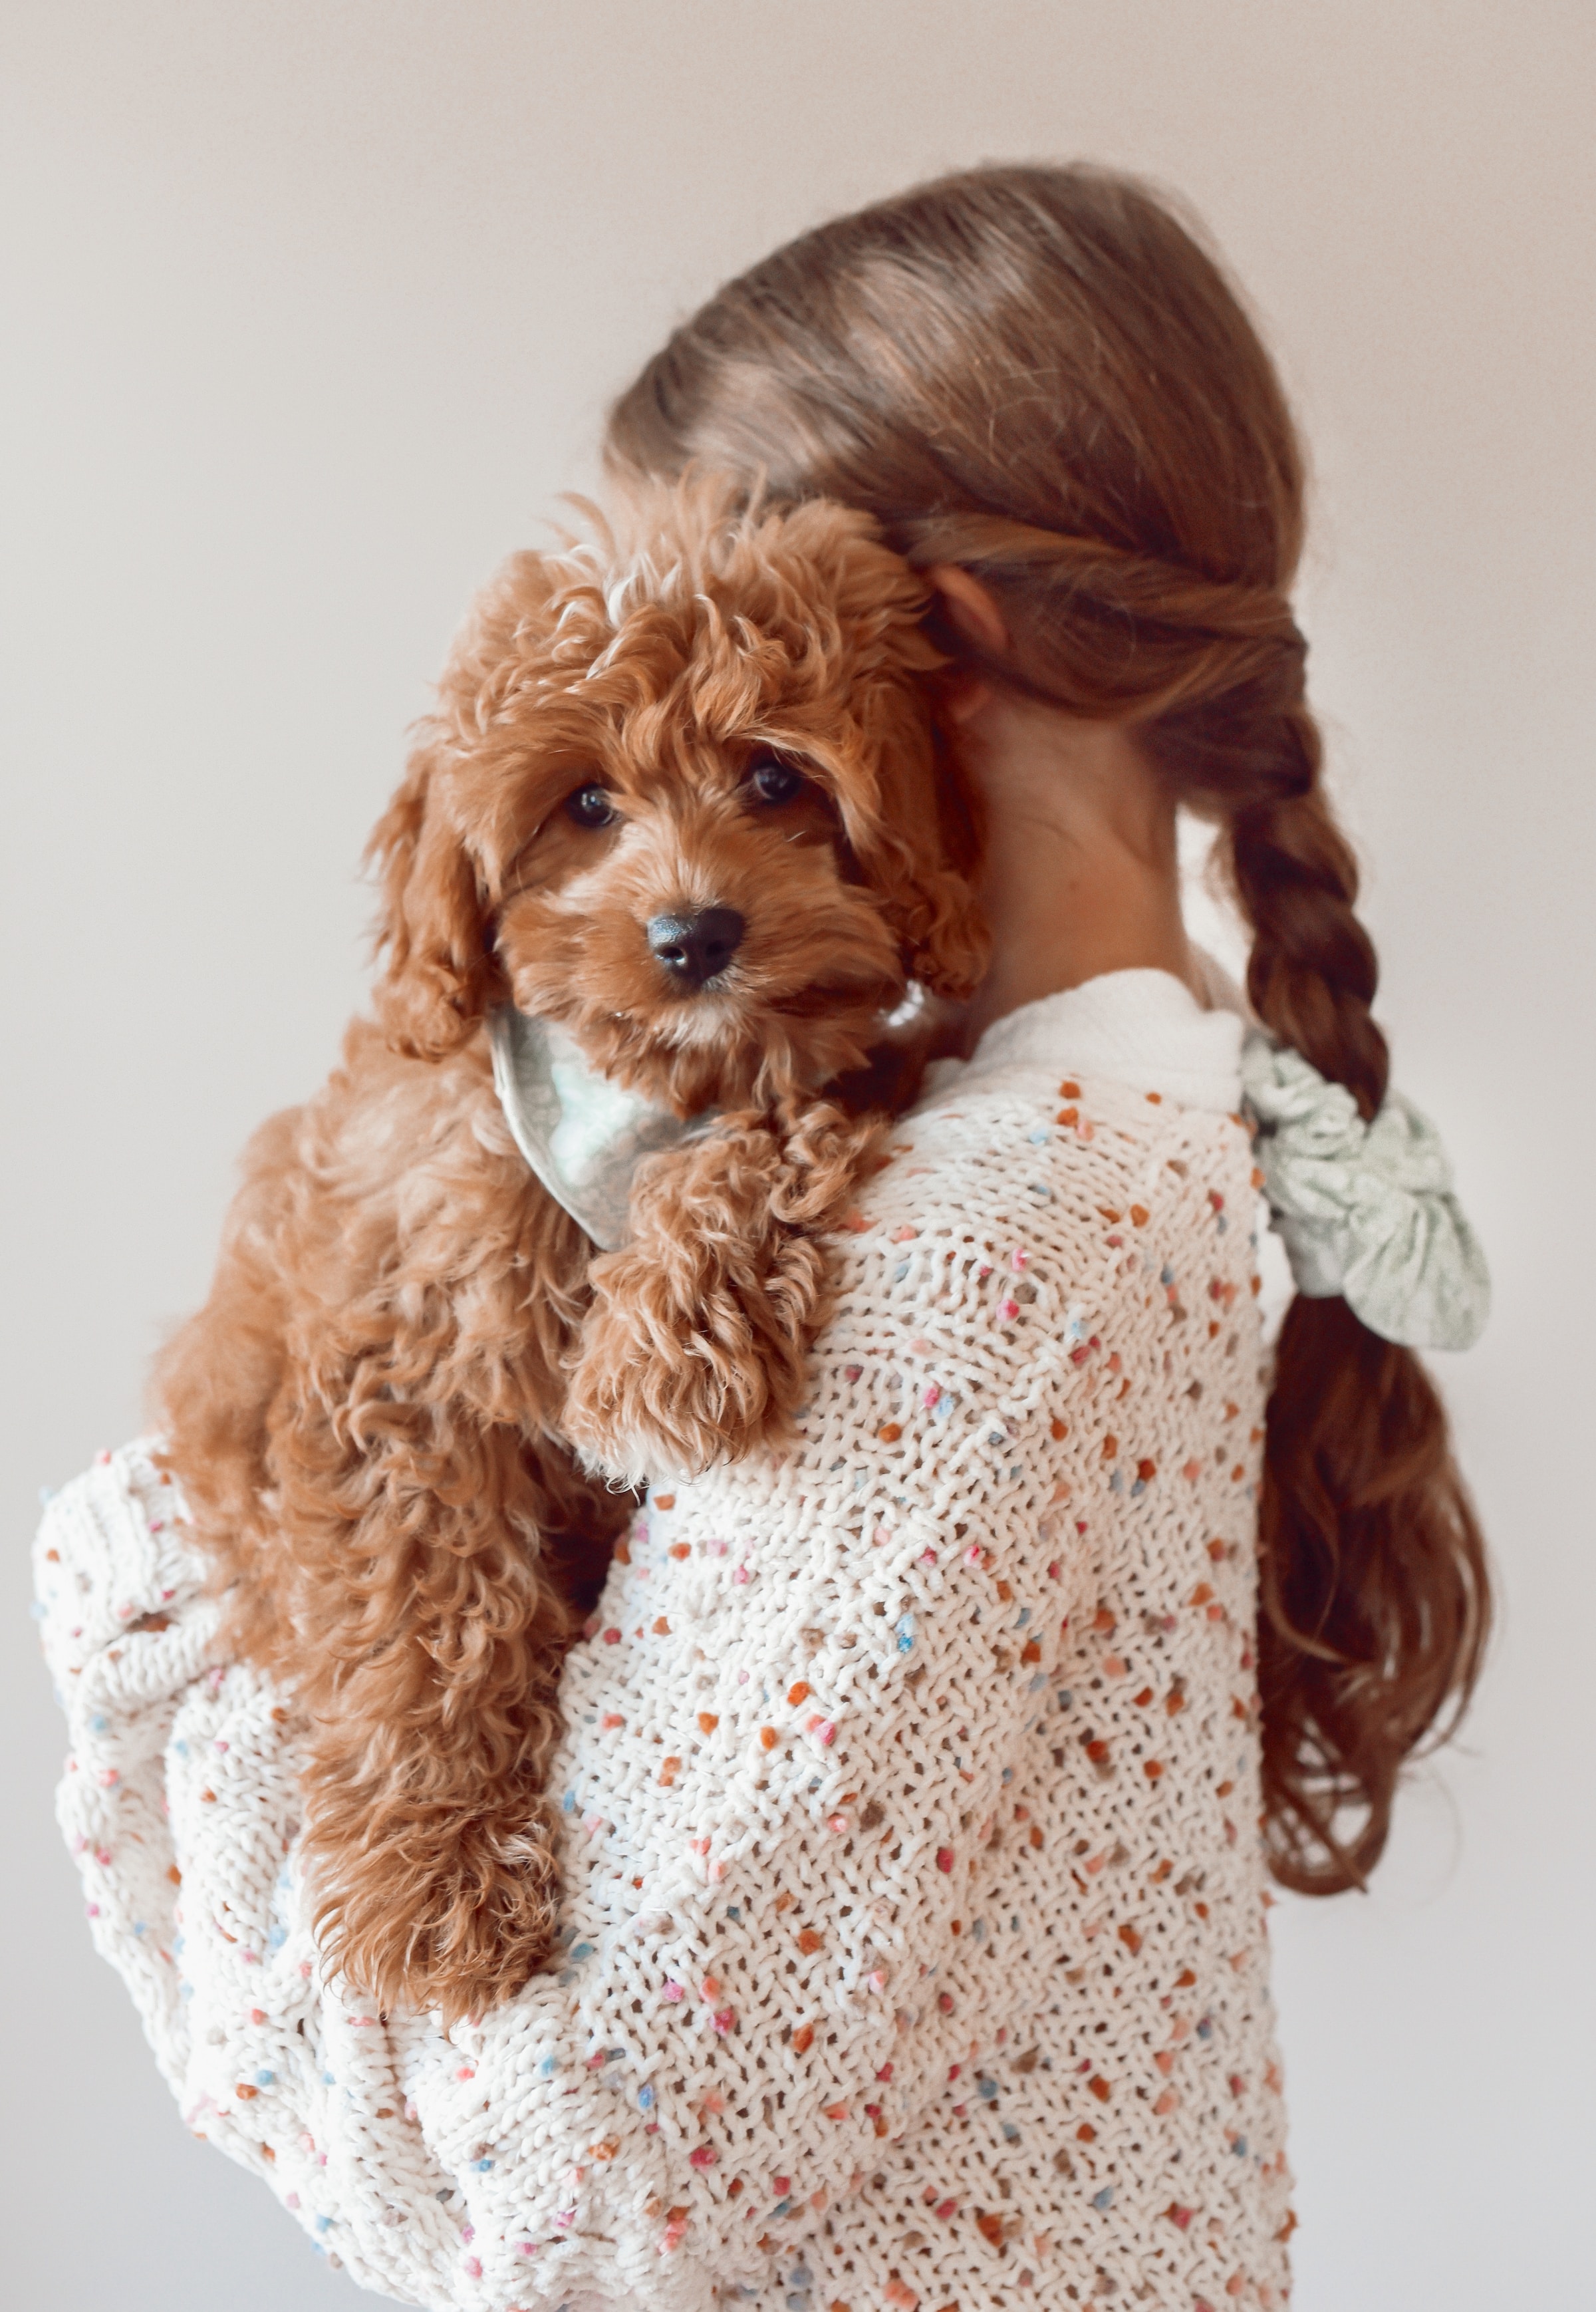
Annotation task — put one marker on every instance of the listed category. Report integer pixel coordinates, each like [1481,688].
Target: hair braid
[1252,754]
[1312,974]
[1374,1597]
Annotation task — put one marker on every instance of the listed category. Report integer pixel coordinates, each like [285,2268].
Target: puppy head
[680,796]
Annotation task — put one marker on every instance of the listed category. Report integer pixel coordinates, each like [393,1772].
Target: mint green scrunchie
[1364,1210]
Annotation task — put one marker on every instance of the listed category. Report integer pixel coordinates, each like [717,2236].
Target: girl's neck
[1080,873]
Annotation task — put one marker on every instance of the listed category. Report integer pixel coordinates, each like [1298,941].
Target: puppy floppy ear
[922,859]
[438,848]
[946,942]
[440,974]
[909,820]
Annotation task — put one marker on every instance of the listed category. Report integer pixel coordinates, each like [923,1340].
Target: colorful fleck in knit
[914,1947]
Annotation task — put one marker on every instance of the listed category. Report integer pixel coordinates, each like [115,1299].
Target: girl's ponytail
[1374,1603]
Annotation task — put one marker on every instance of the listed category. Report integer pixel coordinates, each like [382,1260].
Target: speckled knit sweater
[915,1934]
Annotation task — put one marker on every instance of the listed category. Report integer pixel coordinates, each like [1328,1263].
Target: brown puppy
[678,797]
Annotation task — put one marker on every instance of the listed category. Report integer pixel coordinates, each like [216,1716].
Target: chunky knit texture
[915,1923]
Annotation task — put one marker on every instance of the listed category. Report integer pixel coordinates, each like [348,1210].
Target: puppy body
[392,1417]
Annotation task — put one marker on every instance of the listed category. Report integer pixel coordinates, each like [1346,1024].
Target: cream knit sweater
[915,1941]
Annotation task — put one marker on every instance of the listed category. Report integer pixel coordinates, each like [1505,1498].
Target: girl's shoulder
[1024,1238]
[1065,1156]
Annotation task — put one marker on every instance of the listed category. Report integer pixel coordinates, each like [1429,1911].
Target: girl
[925,1781]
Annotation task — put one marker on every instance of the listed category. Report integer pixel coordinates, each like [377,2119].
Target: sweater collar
[1143,1029]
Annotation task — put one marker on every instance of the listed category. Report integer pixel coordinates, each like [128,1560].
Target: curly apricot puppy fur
[395,1418]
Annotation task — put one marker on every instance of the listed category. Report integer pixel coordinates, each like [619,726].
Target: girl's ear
[440,974]
[971,610]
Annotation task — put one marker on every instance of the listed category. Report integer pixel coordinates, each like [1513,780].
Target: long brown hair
[1042,374]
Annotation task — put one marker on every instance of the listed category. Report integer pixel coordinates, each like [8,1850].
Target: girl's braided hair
[1042,374]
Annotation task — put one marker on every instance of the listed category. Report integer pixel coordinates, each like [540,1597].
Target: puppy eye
[590,806]
[774,781]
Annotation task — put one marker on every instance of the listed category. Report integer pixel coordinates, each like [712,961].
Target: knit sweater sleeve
[790,1727]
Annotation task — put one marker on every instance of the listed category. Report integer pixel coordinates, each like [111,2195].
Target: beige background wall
[310,309]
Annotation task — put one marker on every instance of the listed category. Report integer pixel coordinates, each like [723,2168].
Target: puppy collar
[582,1134]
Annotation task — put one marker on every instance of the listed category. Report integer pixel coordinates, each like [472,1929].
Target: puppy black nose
[696,948]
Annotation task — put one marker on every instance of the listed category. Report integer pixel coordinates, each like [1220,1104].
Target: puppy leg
[432,1689]
[213,1385]
[696,1343]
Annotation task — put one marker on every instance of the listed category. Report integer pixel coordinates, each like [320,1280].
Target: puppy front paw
[695,1346]
[451,1912]
[687,1362]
